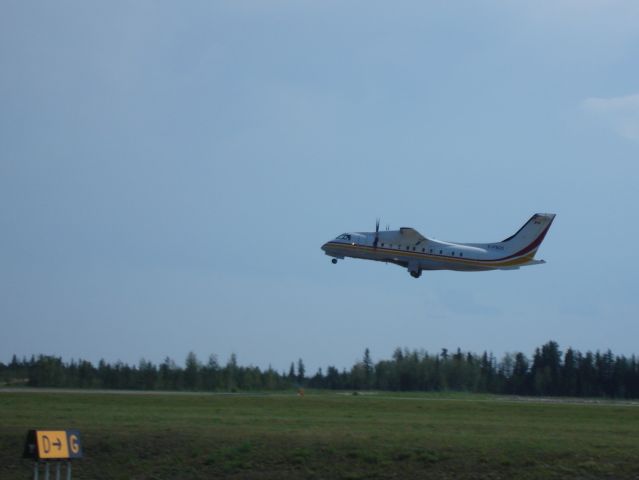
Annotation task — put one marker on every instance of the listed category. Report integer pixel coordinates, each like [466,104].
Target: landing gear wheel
[415,273]
[334,261]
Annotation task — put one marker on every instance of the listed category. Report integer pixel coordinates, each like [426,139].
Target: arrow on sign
[58,444]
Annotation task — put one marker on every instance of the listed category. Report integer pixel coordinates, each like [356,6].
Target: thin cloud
[619,113]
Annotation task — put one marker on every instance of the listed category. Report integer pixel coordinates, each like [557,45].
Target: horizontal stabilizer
[532,262]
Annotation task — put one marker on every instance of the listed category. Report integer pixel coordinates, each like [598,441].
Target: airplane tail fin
[529,237]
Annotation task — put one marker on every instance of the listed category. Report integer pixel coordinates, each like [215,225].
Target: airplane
[408,248]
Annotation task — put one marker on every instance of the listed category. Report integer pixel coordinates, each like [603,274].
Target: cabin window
[461,254]
[431,250]
[423,250]
[440,252]
[407,247]
[413,249]
[453,254]
[382,244]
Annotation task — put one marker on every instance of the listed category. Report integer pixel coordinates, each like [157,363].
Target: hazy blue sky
[169,171]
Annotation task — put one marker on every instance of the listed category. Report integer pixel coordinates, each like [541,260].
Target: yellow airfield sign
[53,444]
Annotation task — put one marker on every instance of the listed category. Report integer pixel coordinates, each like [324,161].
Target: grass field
[326,435]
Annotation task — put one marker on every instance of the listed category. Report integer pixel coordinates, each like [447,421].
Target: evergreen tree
[519,379]
[168,374]
[586,375]
[210,373]
[191,371]
[301,371]
[333,378]
[232,374]
[148,375]
[569,373]
[369,370]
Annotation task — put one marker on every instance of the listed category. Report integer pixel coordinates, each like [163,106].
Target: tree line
[550,372]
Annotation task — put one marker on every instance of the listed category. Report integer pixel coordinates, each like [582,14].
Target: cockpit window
[344,236]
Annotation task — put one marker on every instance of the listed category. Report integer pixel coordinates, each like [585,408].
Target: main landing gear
[334,261]
[415,273]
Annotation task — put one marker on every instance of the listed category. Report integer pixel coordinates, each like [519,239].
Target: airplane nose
[324,246]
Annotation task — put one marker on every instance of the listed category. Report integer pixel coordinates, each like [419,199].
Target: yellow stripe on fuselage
[496,263]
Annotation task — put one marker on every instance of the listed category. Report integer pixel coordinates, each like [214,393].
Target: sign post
[52,446]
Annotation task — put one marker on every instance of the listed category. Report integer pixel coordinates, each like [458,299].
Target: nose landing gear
[415,273]
[334,261]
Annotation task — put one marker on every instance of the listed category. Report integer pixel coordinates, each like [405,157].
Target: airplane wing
[412,234]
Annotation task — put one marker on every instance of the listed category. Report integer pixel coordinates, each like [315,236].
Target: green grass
[326,436]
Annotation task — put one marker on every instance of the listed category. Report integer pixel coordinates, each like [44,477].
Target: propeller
[376,233]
